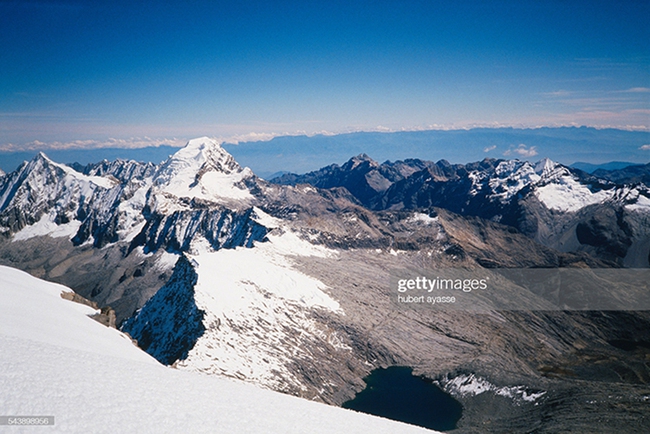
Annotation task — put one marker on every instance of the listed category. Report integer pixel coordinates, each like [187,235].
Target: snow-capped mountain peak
[545,176]
[49,193]
[198,154]
[512,177]
[545,167]
[203,170]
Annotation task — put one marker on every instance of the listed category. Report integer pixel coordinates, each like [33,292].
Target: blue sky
[92,73]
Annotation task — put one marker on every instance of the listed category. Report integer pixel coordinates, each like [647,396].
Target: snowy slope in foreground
[58,362]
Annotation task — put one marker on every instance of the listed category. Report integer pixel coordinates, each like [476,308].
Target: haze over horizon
[78,74]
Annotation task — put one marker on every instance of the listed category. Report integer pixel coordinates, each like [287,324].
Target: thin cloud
[132,143]
[602,64]
[559,93]
[645,147]
[490,148]
[265,137]
[637,90]
[250,137]
[521,150]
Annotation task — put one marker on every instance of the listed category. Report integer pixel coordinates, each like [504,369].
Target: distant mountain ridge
[361,175]
[612,165]
[554,204]
[301,154]
[628,175]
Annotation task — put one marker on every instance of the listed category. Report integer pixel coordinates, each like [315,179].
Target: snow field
[58,362]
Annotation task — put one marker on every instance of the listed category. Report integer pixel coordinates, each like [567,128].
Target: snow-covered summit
[203,170]
[561,188]
[543,170]
[41,171]
[42,189]
[202,153]
[163,206]
[545,167]
[512,176]
[555,185]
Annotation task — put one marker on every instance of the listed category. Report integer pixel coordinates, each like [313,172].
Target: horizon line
[255,137]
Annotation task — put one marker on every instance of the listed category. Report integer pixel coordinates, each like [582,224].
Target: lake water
[394,393]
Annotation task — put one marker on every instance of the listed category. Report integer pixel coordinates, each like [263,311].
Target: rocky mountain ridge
[558,206]
[636,173]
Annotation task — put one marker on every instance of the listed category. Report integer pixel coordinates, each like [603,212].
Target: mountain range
[286,284]
[604,214]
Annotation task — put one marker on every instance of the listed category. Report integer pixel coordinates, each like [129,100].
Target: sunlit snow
[258,310]
[422,218]
[471,385]
[47,226]
[58,362]
[569,195]
[642,203]
[203,170]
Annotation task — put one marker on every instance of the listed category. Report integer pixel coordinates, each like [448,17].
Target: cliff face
[220,226]
[169,324]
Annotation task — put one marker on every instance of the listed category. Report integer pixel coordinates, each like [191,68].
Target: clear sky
[90,71]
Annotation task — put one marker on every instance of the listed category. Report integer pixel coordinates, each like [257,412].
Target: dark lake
[394,393]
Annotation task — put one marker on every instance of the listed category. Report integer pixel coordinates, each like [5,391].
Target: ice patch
[165,260]
[47,226]
[422,218]
[471,385]
[642,204]
[265,219]
[290,244]
[569,195]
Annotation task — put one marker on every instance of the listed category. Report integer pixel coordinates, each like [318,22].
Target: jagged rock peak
[123,170]
[354,162]
[38,161]
[543,169]
[41,156]
[43,171]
